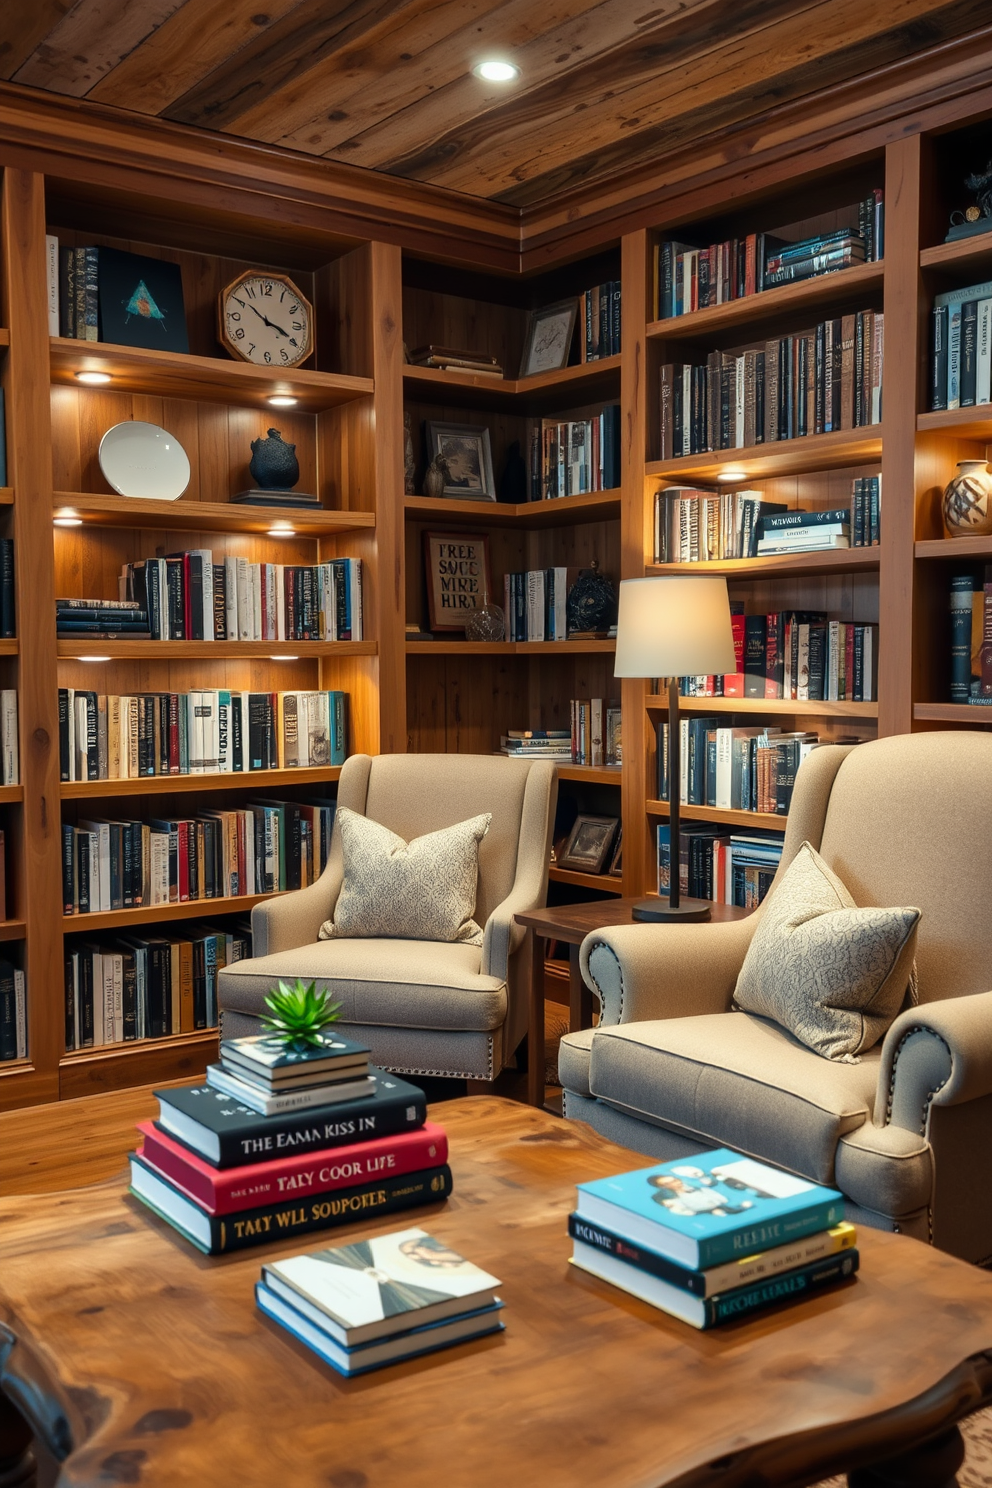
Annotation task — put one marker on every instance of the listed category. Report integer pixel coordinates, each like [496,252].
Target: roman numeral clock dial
[265,320]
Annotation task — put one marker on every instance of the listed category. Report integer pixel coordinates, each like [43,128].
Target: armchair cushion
[419,890]
[833,974]
[402,983]
[733,1080]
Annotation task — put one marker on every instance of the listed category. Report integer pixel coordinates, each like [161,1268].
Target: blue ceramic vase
[274,466]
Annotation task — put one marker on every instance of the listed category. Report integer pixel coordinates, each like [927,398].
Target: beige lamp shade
[674,627]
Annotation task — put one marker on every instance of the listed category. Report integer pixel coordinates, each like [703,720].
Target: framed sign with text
[459,579]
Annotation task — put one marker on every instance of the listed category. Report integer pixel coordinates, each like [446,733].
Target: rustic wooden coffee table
[141,1361]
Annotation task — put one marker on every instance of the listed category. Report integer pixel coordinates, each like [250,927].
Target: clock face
[266,320]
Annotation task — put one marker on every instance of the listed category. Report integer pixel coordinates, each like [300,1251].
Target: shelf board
[767,819]
[596,506]
[207,516]
[787,706]
[966,423]
[584,382]
[953,548]
[975,715]
[10,793]
[138,1062]
[822,288]
[210,650]
[159,785]
[953,255]
[781,457]
[605,882]
[11,929]
[210,379]
[507,648]
[135,1047]
[6,495]
[779,565]
[154,914]
[593,774]
[8,647]
[4,337]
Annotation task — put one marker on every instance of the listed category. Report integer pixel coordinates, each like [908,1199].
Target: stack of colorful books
[380,1300]
[278,1143]
[712,1237]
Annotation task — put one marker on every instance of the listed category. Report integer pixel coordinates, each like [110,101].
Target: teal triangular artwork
[142,303]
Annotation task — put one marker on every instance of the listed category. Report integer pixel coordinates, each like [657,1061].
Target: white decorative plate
[141,459]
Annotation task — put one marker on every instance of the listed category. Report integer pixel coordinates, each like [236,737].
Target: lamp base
[658,911]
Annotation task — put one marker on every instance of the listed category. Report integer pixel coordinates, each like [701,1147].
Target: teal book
[710,1208]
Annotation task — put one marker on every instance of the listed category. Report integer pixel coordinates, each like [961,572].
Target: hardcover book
[280,1063]
[304,1098]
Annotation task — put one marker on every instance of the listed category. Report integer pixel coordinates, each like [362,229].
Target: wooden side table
[572,923]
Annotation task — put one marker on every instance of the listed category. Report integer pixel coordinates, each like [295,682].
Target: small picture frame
[468,455]
[549,338]
[589,843]
[616,864]
[459,577]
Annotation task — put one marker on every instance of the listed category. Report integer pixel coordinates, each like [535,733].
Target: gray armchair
[424,1008]
[906,1133]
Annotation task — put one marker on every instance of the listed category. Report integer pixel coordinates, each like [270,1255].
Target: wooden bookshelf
[604,882]
[160,785]
[844,447]
[972,715]
[779,565]
[138,650]
[565,511]
[843,286]
[207,516]
[765,819]
[954,549]
[511,648]
[193,909]
[773,707]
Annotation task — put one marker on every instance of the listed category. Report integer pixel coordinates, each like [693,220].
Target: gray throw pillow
[419,890]
[831,973]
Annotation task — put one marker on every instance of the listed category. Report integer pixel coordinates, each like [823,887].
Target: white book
[739,403]
[802,678]
[257,633]
[983,381]
[207,713]
[100,839]
[683,759]
[868,665]
[278,601]
[242,590]
[116,961]
[535,605]
[52,271]
[231,599]
[198,733]
[686,404]
[560,596]
[21,1015]
[355,580]
[100,1032]
[724,775]
[158,851]
[105,991]
[8,736]
[835,631]
[596,731]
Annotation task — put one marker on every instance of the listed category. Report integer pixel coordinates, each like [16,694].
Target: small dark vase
[513,481]
[274,466]
[592,602]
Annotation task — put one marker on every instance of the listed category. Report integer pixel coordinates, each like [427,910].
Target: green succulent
[300,1014]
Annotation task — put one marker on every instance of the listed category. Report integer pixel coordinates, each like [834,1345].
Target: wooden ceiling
[386,84]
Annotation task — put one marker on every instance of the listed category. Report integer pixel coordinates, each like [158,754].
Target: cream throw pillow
[831,973]
[419,890]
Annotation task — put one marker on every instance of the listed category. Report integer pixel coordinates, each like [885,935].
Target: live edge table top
[168,1375]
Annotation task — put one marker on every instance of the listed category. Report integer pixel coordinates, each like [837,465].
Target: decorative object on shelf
[616,864]
[674,627]
[967,501]
[264,319]
[459,577]
[435,477]
[140,300]
[299,1014]
[486,623]
[977,218]
[549,338]
[591,607]
[142,460]
[513,481]
[460,360]
[588,846]
[409,463]
[274,466]
[468,458]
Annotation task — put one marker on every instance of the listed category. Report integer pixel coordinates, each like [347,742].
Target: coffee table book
[331,1092]
[272,1061]
[230,1190]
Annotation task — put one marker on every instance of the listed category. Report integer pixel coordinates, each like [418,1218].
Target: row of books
[263,848]
[726,868]
[599,322]
[734,768]
[13,1012]
[971,638]
[694,525]
[714,1237]
[689,278]
[146,986]
[594,737]
[577,456]
[105,294]
[801,655]
[106,736]
[961,347]
[814,382]
[193,596]
[534,604]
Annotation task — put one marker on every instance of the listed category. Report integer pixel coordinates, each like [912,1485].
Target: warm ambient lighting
[283,400]
[67,519]
[284,658]
[93,379]
[282,529]
[496,72]
[732,473]
[93,658]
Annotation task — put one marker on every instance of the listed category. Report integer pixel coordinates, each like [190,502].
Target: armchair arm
[936,1055]
[665,971]
[291,920]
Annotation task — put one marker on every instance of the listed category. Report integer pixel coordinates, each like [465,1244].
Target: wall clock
[265,320]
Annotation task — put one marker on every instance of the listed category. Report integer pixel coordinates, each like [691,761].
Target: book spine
[792,1284]
[716,1249]
[962,589]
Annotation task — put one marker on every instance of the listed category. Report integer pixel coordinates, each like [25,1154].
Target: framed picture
[459,577]
[549,338]
[588,845]
[469,459]
[616,866]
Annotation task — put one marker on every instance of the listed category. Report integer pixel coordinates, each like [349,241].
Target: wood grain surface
[165,1368]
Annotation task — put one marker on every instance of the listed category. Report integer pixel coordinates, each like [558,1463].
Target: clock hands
[272,325]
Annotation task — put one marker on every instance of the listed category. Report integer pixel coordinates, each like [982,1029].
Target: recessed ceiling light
[284,658]
[495,71]
[282,529]
[732,473]
[283,400]
[92,658]
[93,379]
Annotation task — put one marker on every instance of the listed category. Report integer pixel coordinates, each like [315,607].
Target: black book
[67,293]
[199,983]
[727,400]
[755,652]
[258,709]
[129,993]
[87,997]
[8,1012]
[195,597]
[175,582]
[82,855]
[68,867]
[220,601]
[64,762]
[237,733]
[70,964]
[116,865]
[938,359]
[817,662]
[969,353]
[229,1135]
[7,622]
[820,383]
[92,758]
[141,301]
[759,398]
[802,382]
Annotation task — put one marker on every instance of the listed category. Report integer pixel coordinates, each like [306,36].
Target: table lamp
[674,627]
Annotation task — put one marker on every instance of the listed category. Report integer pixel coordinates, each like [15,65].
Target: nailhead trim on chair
[440,1073]
[602,998]
[925,1113]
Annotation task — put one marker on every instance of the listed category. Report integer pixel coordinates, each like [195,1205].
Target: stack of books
[594,737]
[693,525]
[551,744]
[101,619]
[455,359]
[292,1143]
[789,263]
[372,1303]
[713,1237]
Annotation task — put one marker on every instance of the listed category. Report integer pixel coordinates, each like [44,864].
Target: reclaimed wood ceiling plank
[23,28]
[90,41]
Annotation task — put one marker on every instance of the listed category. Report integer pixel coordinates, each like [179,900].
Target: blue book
[710,1208]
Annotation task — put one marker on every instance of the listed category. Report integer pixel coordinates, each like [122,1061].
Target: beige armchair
[907,1132]
[423,1008]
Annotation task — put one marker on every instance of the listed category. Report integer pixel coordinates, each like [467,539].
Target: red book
[229,1190]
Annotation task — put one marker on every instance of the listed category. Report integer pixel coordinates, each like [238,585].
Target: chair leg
[480,1087]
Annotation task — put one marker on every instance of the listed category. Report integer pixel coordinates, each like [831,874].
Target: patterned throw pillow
[831,973]
[396,890]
